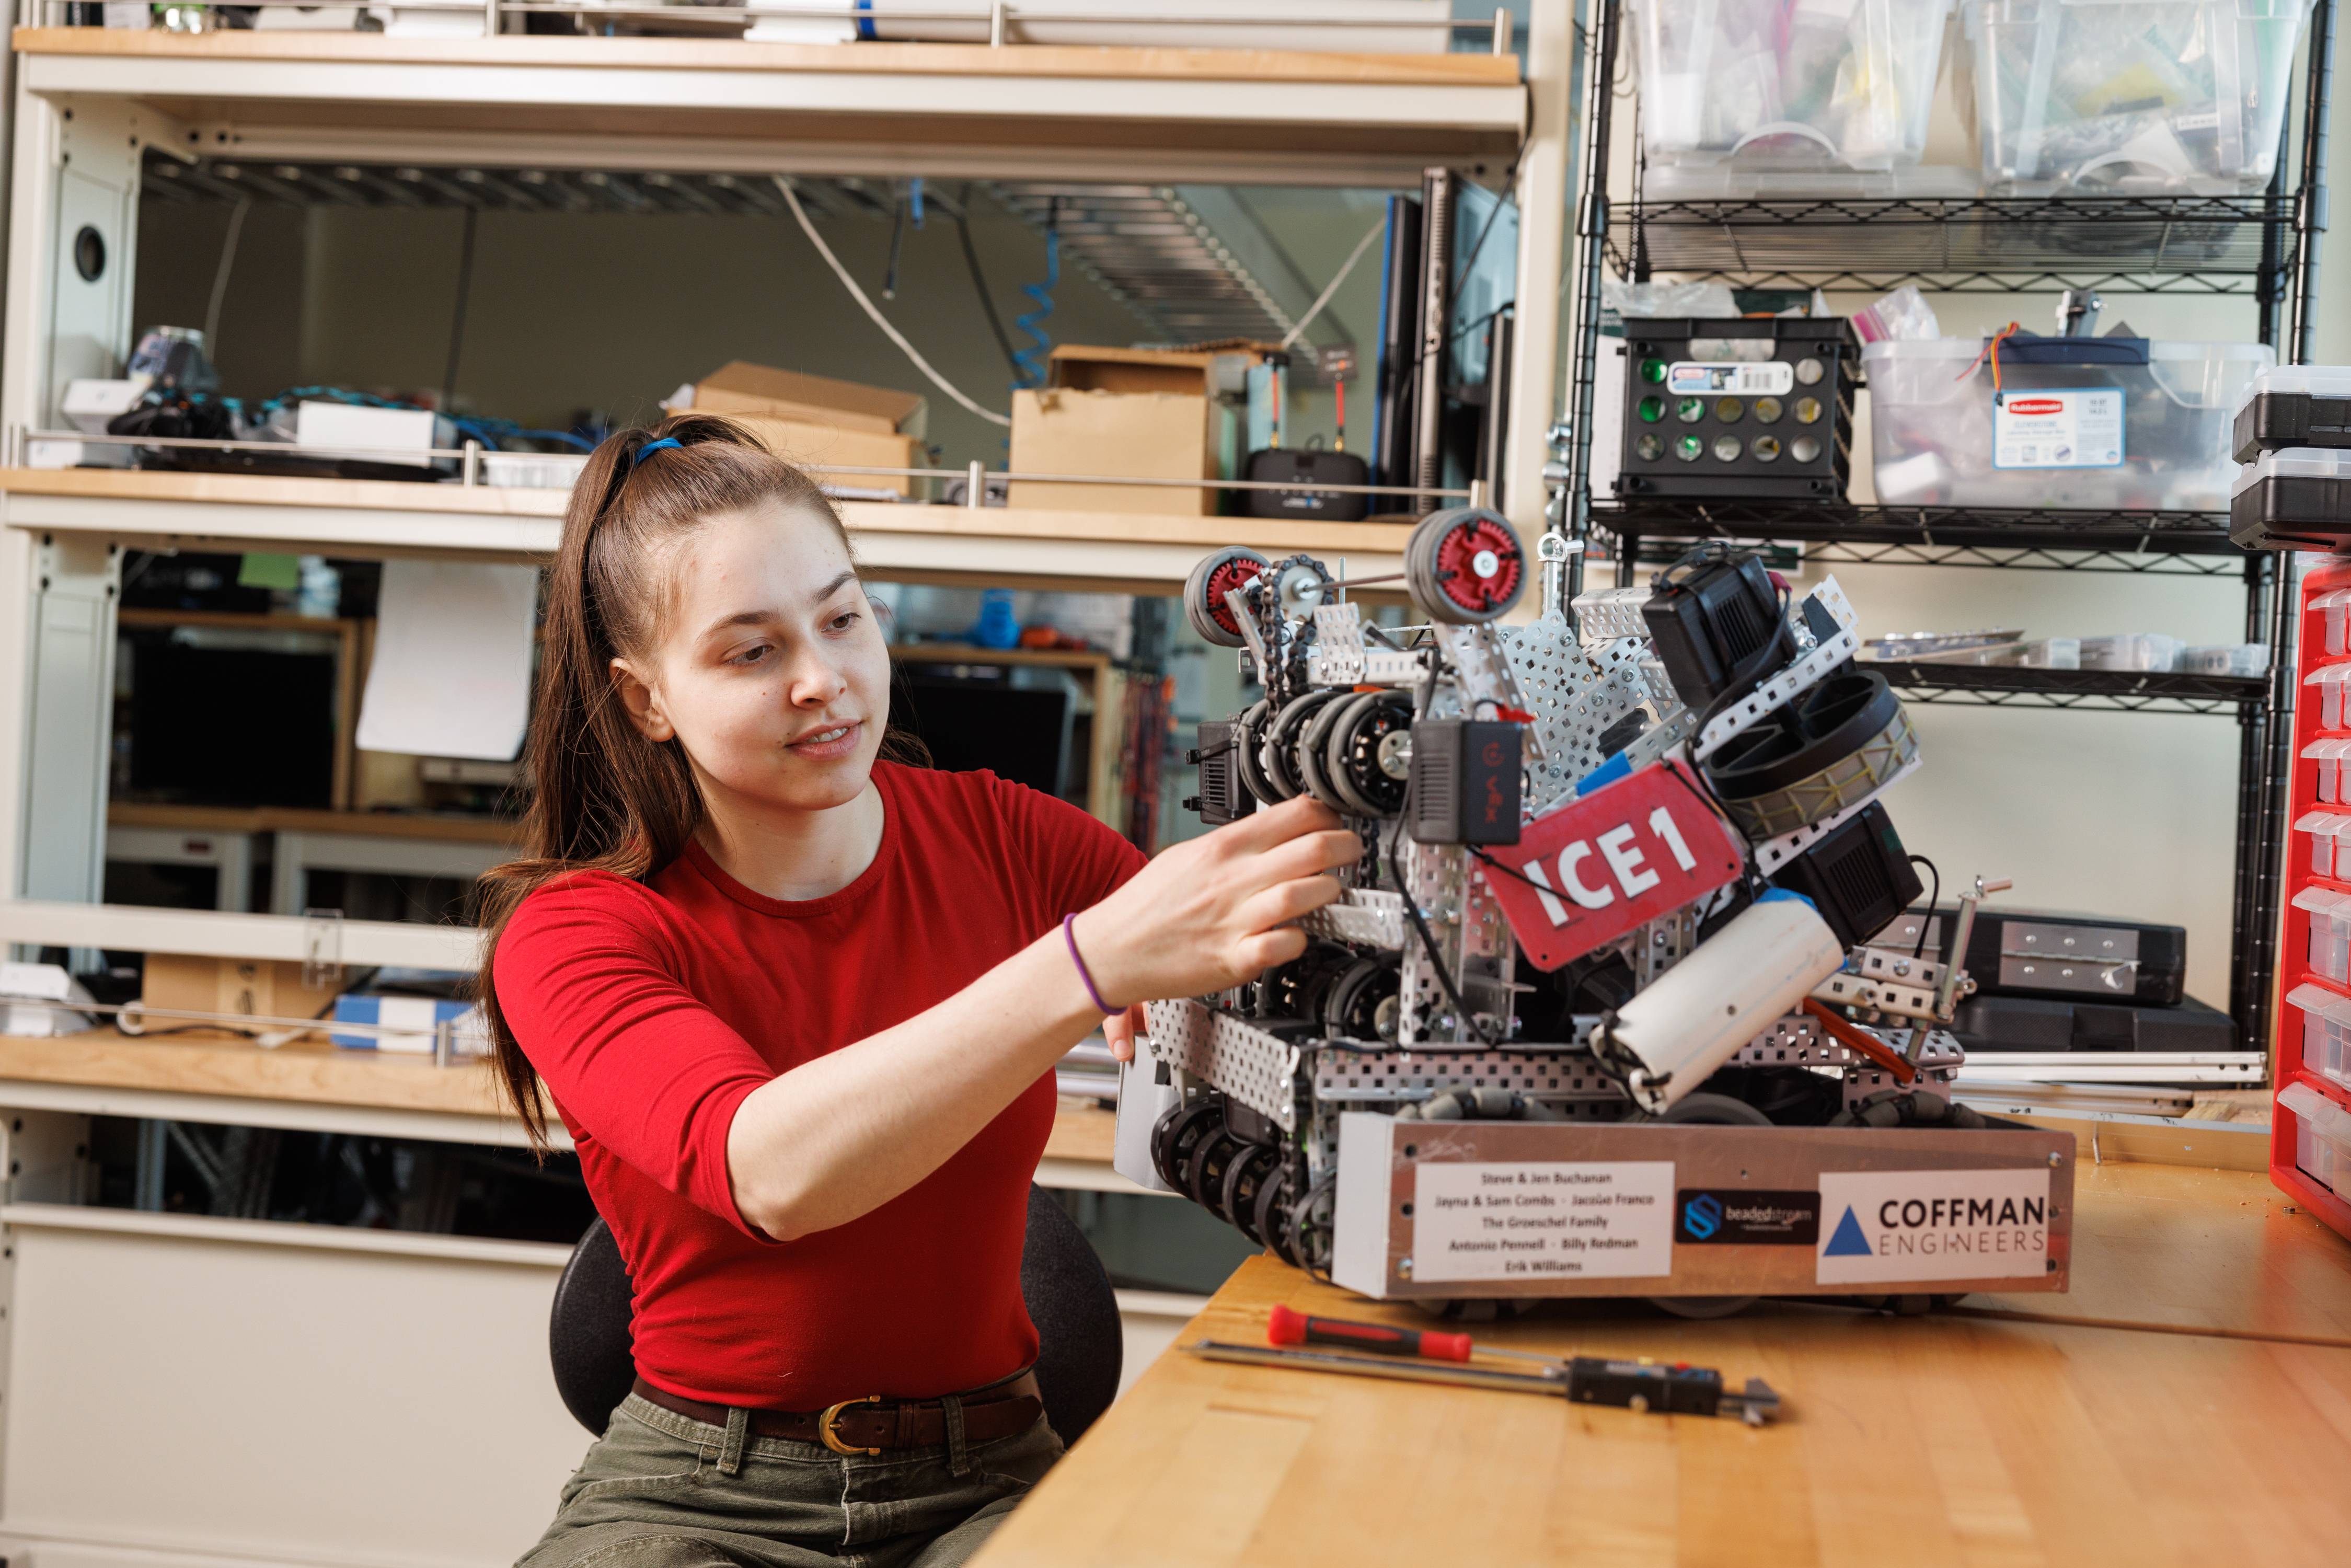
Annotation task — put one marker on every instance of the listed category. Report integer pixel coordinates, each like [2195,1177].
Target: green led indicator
[1653,409]
[1653,370]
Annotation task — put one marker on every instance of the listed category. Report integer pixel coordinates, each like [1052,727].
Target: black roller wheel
[1274,1192]
[1282,737]
[1309,1226]
[1244,1176]
[1312,742]
[1366,753]
[1249,751]
[1364,1002]
[1177,1137]
[1205,590]
[1206,1169]
[1465,565]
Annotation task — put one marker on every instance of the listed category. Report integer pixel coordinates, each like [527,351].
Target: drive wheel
[1465,565]
[1205,590]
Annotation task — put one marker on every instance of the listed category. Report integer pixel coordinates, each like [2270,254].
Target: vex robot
[1610,1005]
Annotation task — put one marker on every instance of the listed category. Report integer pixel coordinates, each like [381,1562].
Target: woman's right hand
[1212,912]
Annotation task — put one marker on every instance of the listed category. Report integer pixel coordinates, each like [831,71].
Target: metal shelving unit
[2264,247]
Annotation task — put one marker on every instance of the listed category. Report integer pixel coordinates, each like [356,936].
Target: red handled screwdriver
[1287,1327]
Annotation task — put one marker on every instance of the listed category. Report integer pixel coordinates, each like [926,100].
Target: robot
[1610,1005]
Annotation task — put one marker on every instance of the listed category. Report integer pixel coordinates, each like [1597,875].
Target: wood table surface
[1971,1437]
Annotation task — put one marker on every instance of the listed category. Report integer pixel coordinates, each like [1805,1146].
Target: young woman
[799,1009]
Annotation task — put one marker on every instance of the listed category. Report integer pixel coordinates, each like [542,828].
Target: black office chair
[1069,1297]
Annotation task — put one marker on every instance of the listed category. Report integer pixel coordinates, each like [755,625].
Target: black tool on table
[1642,1387]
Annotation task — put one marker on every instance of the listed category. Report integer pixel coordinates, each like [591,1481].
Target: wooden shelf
[1201,114]
[223,1075]
[1129,551]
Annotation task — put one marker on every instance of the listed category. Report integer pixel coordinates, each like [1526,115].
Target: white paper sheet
[451,670]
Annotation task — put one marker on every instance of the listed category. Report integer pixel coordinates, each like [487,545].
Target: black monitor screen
[1016,733]
[231,726]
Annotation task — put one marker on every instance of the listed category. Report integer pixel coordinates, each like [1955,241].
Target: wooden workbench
[2189,1403]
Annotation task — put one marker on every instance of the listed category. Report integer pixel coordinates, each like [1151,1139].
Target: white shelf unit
[455,1334]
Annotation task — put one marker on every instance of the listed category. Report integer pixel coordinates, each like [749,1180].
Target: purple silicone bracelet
[1069,934]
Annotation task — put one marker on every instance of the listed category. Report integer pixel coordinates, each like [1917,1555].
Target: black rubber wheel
[1364,755]
[1704,1110]
[1204,1171]
[1204,594]
[1243,1178]
[1282,738]
[1273,1195]
[1249,751]
[1363,1002]
[1179,1134]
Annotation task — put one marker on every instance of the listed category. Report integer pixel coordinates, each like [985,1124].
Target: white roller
[1741,981]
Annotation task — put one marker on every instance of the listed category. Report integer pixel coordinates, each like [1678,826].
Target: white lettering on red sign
[1595,868]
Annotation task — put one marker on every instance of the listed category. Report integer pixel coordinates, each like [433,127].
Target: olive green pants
[662,1491]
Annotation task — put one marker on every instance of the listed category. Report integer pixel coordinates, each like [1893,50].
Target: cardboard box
[248,987]
[815,420]
[741,387]
[1142,435]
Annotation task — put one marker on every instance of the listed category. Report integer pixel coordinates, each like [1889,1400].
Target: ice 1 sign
[1590,870]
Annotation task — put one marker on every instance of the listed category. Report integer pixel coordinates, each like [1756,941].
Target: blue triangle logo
[1848,1241]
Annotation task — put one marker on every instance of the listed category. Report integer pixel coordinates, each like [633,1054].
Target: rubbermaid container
[1827,84]
[2119,423]
[2129,96]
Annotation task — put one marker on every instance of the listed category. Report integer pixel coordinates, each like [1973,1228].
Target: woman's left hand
[1120,1029]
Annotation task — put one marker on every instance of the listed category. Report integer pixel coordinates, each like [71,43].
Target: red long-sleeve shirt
[651,1009]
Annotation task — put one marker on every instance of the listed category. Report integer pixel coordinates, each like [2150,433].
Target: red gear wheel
[1456,556]
[1228,575]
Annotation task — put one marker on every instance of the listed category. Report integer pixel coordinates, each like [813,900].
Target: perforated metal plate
[1606,615]
[1574,697]
[1367,917]
[1358,1078]
[1246,1062]
[1337,656]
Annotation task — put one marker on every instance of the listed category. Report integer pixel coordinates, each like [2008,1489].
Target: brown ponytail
[604,797]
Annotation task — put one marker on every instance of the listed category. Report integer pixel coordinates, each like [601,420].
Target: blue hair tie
[650,447]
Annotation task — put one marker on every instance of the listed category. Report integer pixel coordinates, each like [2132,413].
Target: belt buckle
[824,1428]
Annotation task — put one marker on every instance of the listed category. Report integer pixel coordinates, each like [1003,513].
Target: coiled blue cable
[1029,363]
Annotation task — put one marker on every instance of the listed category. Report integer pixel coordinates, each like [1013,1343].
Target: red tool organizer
[2308,1148]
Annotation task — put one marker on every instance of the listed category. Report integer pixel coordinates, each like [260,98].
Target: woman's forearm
[841,1135]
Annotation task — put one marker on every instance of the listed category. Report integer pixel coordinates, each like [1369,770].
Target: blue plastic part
[1617,766]
[914,196]
[1029,363]
[1783,895]
[997,626]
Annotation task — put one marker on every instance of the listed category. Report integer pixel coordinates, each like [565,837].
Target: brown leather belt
[871,1425]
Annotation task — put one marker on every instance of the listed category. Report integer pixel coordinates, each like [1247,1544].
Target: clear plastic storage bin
[2327,684]
[2328,755]
[2143,651]
[2326,1030]
[2326,830]
[2330,932]
[1819,84]
[2058,437]
[2321,1135]
[2129,95]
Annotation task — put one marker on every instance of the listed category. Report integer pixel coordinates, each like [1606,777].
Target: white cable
[1315,310]
[792,198]
[220,279]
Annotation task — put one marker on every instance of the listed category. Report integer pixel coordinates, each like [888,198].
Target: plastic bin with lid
[2143,651]
[2299,498]
[2330,932]
[2327,681]
[1772,85]
[2334,609]
[2321,1135]
[2326,1030]
[2128,97]
[2293,405]
[2243,660]
[2129,424]
[2326,829]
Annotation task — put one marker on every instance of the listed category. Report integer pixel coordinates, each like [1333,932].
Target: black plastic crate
[1738,407]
